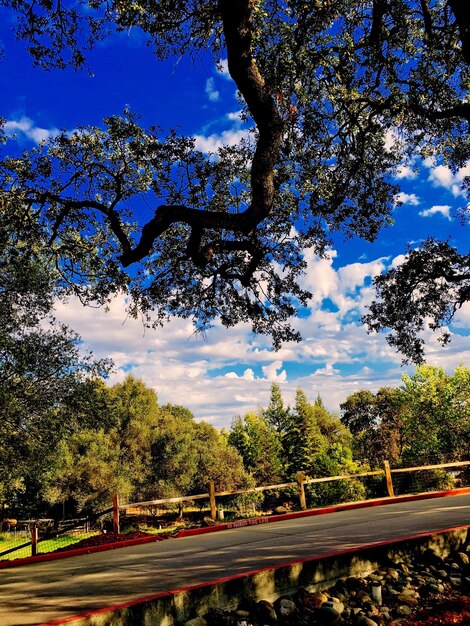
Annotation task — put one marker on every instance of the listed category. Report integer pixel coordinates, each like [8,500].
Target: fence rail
[390,476]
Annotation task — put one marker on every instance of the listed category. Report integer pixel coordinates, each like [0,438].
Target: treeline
[118,439]
[426,420]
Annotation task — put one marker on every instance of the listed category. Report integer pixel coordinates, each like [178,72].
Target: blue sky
[230,371]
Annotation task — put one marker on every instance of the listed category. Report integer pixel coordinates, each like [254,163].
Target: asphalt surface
[42,592]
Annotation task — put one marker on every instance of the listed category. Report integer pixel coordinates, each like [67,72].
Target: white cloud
[399,260]
[248,374]
[215,141]
[211,92]
[222,68]
[462,316]
[442,176]
[407,198]
[443,210]
[328,370]
[405,172]
[270,371]
[25,127]
[391,139]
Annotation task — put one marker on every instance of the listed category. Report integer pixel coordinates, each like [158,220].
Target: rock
[338,606]
[279,510]
[315,600]
[385,613]
[196,621]
[431,557]
[363,596]
[218,617]
[456,582]
[404,610]
[375,577]
[442,574]
[407,599]
[366,621]
[391,591]
[463,558]
[286,606]
[264,613]
[340,596]
[328,616]
[392,573]
[241,613]
[353,584]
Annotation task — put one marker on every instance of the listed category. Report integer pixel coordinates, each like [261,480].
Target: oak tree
[327,86]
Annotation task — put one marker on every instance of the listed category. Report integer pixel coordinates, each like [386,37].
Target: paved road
[39,593]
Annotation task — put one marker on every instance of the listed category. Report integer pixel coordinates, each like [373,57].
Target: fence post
[300,482]
[388,478]
[116,528]
[212,500]
[34,539]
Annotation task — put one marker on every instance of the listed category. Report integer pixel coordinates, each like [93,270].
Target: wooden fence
[299,485]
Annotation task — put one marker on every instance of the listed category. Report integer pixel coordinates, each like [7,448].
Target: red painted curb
[237,524]
[322,511]
[225,579]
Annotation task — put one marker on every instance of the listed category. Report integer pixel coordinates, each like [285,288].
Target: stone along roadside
[428,591]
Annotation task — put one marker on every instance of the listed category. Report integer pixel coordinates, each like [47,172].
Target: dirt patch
[451,611]
[107,538]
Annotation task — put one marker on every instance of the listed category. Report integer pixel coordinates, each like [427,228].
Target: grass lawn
[7,542]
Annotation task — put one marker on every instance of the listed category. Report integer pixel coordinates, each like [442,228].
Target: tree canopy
[338,94]
[426,419]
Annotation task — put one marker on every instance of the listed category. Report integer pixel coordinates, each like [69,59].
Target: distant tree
[276,415]
[187,454]
[178,411]
[259,445]
[336,461]
[425,419]
[87,472]
[359,412]
[279,417]
[219,461]
[134,407]
[325,88]
[330,425]
[376,423]
[437,419]
[305,441]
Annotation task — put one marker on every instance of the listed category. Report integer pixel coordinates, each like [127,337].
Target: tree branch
[461,11]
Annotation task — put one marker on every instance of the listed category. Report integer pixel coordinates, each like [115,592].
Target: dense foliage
[45,382]
[106,440]
[426,419]
[124,443]
[276,443]
[338,94]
